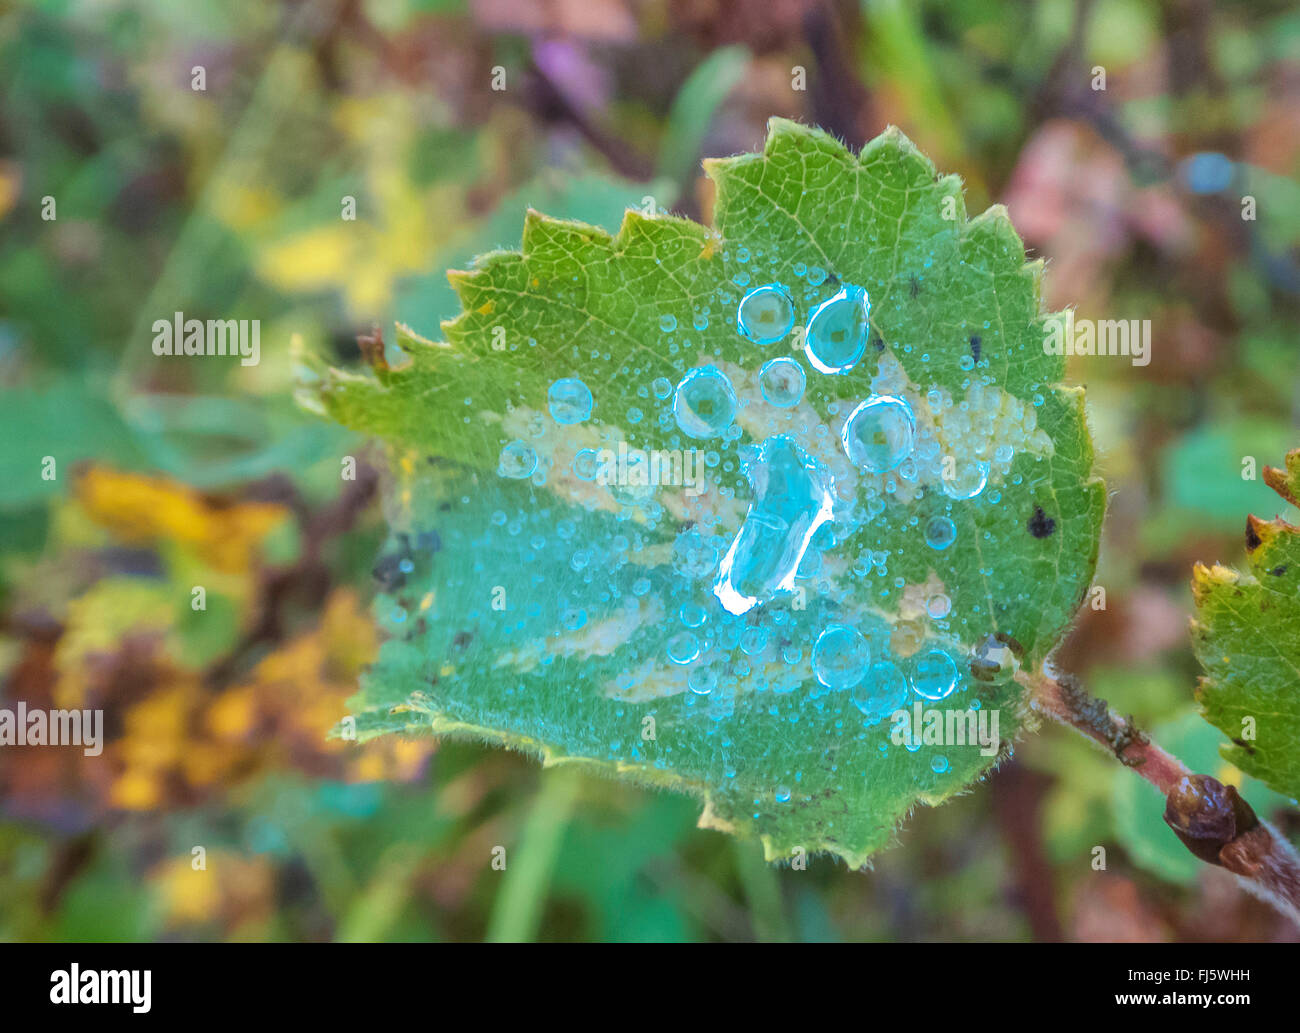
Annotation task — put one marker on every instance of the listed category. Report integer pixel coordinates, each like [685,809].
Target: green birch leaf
[591,618]
[1247,637]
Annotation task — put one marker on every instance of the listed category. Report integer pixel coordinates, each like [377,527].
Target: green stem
[762,887]
[518,909]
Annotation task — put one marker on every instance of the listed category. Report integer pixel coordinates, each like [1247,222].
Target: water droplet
[968,480]
[662,387]
[881,692]
[692,614]
[569,401]
[837,331]
[702,680]
[840,657]
[994,660]
[934,675]
[765,314]
[793,497]
[586,464]
[938,764]
[667,323]
[518,460]
[573,618]
[694,554]
[683,648]
[940,532]
[753,641]
[879,434]
[782,382]
[938,606]
[705,403]
[782,794]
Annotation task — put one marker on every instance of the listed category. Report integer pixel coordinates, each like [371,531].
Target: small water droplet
[517,461]
[683,648]
[569,401]
[782,382]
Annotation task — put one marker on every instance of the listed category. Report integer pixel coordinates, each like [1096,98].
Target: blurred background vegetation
[225,203]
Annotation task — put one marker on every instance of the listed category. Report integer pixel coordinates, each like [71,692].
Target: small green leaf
[540,613]
[1247,636]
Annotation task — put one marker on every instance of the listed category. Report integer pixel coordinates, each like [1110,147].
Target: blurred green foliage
[225,203]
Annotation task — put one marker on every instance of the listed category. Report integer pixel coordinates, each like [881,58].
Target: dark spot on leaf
[388,572]
[1040,524]
[879,343]
[914,286]
[429,541]
[462,639]
[1252,538]
[445,507]
[976,346]
[1278,571]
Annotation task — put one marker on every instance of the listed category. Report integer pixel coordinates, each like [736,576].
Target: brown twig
[1209,818]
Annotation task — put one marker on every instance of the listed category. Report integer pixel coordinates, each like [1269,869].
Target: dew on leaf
[792,499]
[969,479]
[881,692]
[879,434]
[837,331]
[765,314]
[569,401]
[782,382]
[704,403]
[518,460]
[683,648]
[702,681]
[940,532]
[840,657]
[934,675]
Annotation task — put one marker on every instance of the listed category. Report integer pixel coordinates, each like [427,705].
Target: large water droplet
[879,434]
[765,314]
[837,330]
[881,692]
[569,401]
[518,460]
[782,382]
[793,497]
[934,675]
[840,657]
[705,403]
